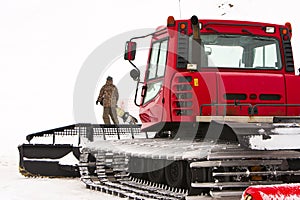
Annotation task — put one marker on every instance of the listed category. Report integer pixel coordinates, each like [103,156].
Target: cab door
[152,108]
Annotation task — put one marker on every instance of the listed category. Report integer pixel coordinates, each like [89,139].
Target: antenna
[179,9]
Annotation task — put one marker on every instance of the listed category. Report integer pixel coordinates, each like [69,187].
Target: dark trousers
[110,112]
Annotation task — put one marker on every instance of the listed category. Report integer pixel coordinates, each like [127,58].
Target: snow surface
[14,186]
[276,142]
[280,138]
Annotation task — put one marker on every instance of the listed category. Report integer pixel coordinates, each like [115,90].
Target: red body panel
[292,94]
[270,92]
[285,191]
[252,86]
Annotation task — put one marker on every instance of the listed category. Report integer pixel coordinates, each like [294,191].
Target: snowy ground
[13,186]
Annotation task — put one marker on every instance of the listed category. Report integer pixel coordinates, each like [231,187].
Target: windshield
[240,51]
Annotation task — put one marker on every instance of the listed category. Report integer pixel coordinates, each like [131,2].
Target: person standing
[108,98]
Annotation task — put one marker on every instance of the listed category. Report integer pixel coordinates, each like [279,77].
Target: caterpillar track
[220,170]
[109,174]
[126,162]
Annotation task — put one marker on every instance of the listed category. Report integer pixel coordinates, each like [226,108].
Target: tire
[174,174]
[137,167]
[156,171]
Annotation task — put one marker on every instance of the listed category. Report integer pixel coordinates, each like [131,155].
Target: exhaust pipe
[195,27]
[197,51]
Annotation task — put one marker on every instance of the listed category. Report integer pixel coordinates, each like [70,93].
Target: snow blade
[56,152]
[47,169]
[51,151]
[283,191]
[30,165]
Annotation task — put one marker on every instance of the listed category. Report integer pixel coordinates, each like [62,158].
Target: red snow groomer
[283,191]
[219,107]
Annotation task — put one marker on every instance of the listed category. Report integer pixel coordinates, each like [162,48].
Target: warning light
[182,26]
[289,27]
[170,21]
[284,31]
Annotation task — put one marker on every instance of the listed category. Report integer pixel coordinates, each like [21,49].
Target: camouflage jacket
[109,94]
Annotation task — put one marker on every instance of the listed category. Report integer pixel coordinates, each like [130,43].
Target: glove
[99,101]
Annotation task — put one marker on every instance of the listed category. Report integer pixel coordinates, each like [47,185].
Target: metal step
[225,193]
[258,173]
[233,184]
[233,163]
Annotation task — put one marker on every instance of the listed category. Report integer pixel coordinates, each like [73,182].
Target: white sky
[43,45]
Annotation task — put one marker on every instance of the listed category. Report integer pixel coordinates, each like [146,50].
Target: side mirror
[135,74]
[130,50]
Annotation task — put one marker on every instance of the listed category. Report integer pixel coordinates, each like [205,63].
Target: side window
[266,57]
[162,59]
[158,60]
[152,90]
[153,61]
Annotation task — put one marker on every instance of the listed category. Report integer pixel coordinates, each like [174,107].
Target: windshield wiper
[263,38]
[247,31]
[212,29]
[257,37]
